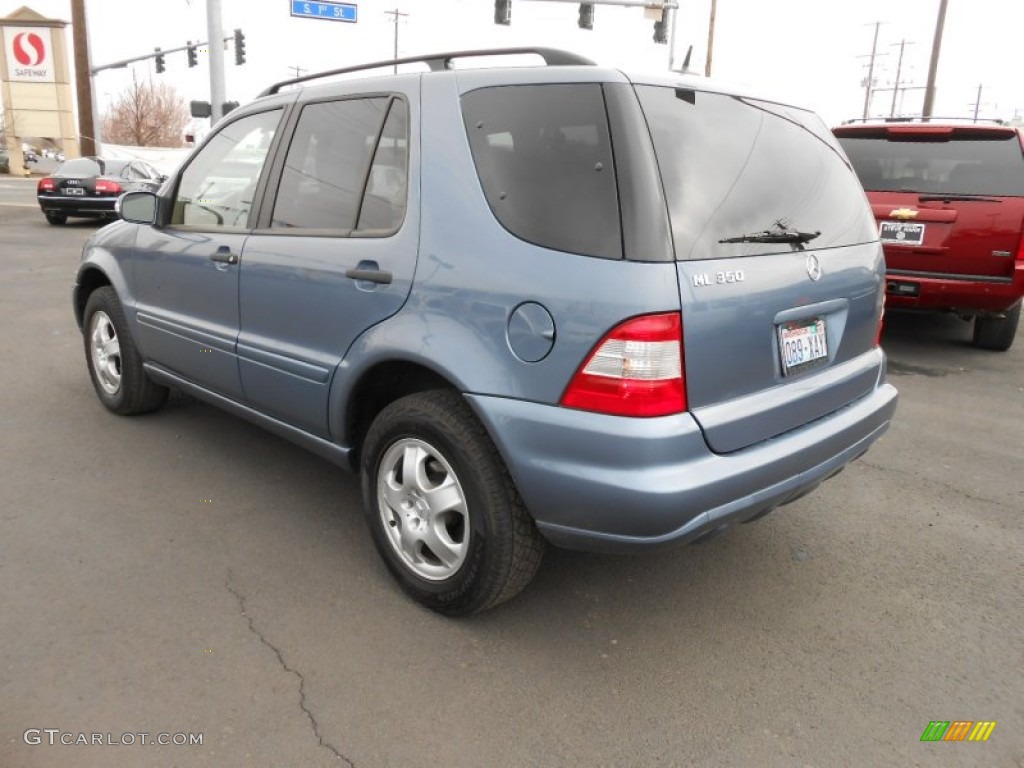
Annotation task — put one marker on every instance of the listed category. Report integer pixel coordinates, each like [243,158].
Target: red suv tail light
[46,185]
[107,187]
[635,370]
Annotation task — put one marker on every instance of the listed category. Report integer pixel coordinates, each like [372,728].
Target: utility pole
[933,65]
[711,38]
[870,84]
[214,27]
[977,103]
[297,70]
[899,71]
[394,17]
[83,80]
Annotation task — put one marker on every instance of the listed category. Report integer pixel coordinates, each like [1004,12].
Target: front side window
[346,168]
[217,188]
[544,158]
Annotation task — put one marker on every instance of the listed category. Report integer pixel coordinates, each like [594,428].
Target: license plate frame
[74,191]
[803,344]
[901,232]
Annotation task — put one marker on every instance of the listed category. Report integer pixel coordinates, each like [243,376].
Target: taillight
[1020,247]
[635,370]
[46,185]
[107,187]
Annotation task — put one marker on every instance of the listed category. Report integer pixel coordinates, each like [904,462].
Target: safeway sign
[29,54]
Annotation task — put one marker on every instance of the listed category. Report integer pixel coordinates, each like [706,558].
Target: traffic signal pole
[215,34]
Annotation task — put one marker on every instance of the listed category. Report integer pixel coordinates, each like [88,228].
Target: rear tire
[56,218]
[442,508]
[997,333]
[115,365]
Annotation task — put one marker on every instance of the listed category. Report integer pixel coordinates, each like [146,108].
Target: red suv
[949,200]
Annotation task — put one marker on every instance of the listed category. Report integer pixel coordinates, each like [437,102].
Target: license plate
[901,233]
[802,343]
[74,191]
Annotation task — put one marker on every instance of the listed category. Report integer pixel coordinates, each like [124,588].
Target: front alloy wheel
[105,350]
[115,366]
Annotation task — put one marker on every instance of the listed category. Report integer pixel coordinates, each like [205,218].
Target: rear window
[966,164]
[92,166]
[544,158]
[734,166]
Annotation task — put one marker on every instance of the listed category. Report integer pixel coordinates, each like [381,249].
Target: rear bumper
[906,289]
[78,206]
[612,484]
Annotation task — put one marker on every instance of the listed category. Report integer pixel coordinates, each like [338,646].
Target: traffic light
[159,61]
[661,28]
[586,16]
[239,47]
[192,58]
[503,12]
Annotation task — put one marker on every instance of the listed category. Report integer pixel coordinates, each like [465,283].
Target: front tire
[997,333]
[442,508]
[115,365]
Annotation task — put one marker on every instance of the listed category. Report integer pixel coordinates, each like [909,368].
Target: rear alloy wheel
[114,364]
[997,333]
[56,218]
[442,508]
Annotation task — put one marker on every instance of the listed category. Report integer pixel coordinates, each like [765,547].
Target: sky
[813,53]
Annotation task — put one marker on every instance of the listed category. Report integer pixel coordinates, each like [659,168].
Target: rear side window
[544,158]
[346,167]
[964,164]
[733,167]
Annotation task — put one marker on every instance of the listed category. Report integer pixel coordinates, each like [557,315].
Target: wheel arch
[89,278]
[376,387]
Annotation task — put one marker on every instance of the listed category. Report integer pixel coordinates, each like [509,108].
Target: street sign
[327,11]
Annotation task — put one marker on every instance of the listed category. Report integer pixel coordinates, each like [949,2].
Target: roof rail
[932,119]
[553,57]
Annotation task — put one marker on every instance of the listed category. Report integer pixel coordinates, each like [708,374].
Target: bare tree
[147,115]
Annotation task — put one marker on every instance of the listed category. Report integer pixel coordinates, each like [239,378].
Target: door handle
[223,255]
[370,272]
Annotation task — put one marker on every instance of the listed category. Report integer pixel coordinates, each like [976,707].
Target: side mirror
[137,207]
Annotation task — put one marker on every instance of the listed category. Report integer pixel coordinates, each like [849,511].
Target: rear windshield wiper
[774,236]
[961,196]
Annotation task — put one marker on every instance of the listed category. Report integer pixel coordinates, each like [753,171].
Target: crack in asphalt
[947,486]
[284,665]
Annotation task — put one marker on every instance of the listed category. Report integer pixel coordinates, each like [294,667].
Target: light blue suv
[553,303]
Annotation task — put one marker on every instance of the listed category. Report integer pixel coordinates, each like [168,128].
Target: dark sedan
[89,187]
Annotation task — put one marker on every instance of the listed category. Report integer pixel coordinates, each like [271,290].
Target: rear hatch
[778,263]
[949,200]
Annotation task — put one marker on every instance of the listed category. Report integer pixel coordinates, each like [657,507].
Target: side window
[217,188]
[544,157]
[384,202]
[343,170]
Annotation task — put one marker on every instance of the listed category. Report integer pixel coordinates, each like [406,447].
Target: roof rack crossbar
[553,57]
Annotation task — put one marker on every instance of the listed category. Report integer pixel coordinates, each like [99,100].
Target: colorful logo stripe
[958,730]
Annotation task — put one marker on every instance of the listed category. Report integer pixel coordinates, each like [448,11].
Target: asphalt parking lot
[186,573]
